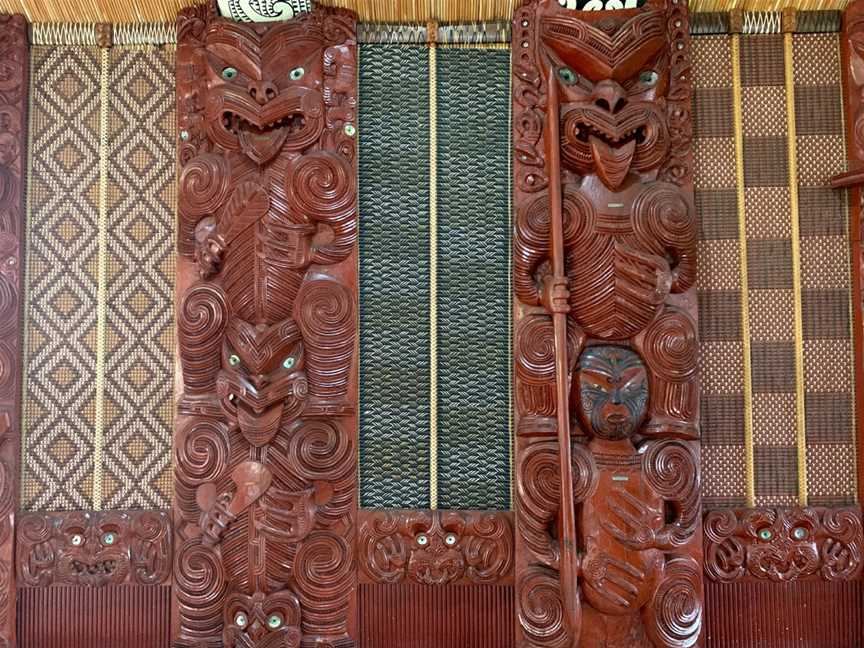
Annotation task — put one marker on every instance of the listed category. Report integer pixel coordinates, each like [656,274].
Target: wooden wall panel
[13,136]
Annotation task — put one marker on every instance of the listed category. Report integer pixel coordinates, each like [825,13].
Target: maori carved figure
[608,508]
[94,548]
[13,108]
[783,545]
[436,547]
[265,441]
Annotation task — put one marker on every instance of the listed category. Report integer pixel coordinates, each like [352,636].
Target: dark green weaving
[473,278]
[394,276]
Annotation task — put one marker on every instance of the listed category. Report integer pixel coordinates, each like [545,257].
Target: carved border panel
[783,544]
[265,437]
[608,507]
[94,548]
[13,134]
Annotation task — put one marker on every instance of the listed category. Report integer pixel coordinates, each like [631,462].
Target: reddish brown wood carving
[783,544]
[436,547]
[606,354]
[94,548]
[852,48]
[265,436]
[13,133]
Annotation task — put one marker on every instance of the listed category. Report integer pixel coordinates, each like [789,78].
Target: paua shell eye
[77,540]
[108,538]
[274,621]
[288,362]
[450,539]
[648,77]
[229,73]
[568,76]
[240,620]
[766,534]
[422,540]
[297,73]
[799,533]
[233,360]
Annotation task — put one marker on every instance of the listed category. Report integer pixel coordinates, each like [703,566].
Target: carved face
[613,74]
[259,97]
[613,391]
[436,557]
[92,551]
[262,378]
[262,620]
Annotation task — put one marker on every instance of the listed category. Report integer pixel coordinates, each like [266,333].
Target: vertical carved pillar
[13,135]
[604,262]
[852,51]
[265,438]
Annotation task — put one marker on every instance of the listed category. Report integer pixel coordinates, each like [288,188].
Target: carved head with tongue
[614,75]
[262,379]
[262,90]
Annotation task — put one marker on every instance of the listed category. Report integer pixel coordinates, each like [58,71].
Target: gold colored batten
[433,272]
[749,461]
[102,282]
[792,148]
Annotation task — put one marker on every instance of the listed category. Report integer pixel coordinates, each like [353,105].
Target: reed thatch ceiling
[394,11]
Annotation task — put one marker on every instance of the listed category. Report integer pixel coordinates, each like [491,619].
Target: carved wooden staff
[558,304]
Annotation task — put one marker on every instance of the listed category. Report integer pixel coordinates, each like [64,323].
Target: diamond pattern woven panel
[394,276]
[61,279]
[99,282]
[473,278]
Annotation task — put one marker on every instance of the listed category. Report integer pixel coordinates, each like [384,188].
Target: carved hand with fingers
[642,524]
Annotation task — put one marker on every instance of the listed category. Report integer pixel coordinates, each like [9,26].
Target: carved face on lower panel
[613,391]
[614,75]
[92,551]
[262,379]
[263,92]
[262,620]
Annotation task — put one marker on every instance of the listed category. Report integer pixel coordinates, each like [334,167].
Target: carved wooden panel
[265,448]
[94,548]
[13,134]
[604,261]
[783,545]
[435,547]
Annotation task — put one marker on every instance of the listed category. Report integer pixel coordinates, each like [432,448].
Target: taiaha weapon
[568,566]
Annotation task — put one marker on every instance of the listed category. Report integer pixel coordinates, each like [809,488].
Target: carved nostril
[262,91]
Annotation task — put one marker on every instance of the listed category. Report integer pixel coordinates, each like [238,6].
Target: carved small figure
[638,511]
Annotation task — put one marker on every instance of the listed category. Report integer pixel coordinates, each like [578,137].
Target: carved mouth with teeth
[593,138]
[100,568]
[261,141]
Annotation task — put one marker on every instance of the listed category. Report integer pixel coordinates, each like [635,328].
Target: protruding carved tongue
[259,428]
[261,147]
[613,162]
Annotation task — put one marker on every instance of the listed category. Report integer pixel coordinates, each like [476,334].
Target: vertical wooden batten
[13,136]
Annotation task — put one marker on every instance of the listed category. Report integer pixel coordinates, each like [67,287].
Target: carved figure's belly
[616,288]
[617,579]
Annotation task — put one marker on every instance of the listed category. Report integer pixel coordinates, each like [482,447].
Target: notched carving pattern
[94,548]
[783,544]
[265,446]
[436,547]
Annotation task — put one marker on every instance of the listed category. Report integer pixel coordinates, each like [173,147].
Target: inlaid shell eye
[288,363]
[422,540]
[229,73]
[766,534]
[274,621]
[240,620]
[108,538]
[648,77]
[233,360]
[450,539]
[77,540]
[799,533]
[568,76]
[297,73]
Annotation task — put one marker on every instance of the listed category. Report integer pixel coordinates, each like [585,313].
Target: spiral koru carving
[540,608]
[201,321]
[675,612]
[324,570]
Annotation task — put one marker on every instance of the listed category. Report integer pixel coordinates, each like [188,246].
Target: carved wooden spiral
[677,605]
[200,587]
[671,469]
[204,185]
[8,307]
[671,348]
[8,369]
[203,451]
[541,611]
[201,321]
[324,570]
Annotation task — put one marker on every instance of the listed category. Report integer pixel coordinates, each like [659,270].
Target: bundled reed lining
[417,12]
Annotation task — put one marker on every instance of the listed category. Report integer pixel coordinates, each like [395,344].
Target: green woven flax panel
[394,276]
[473,278]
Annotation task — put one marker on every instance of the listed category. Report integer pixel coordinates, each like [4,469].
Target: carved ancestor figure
[265,473]
[602,135]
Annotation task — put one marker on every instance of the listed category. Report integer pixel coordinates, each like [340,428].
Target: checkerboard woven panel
[59,465]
